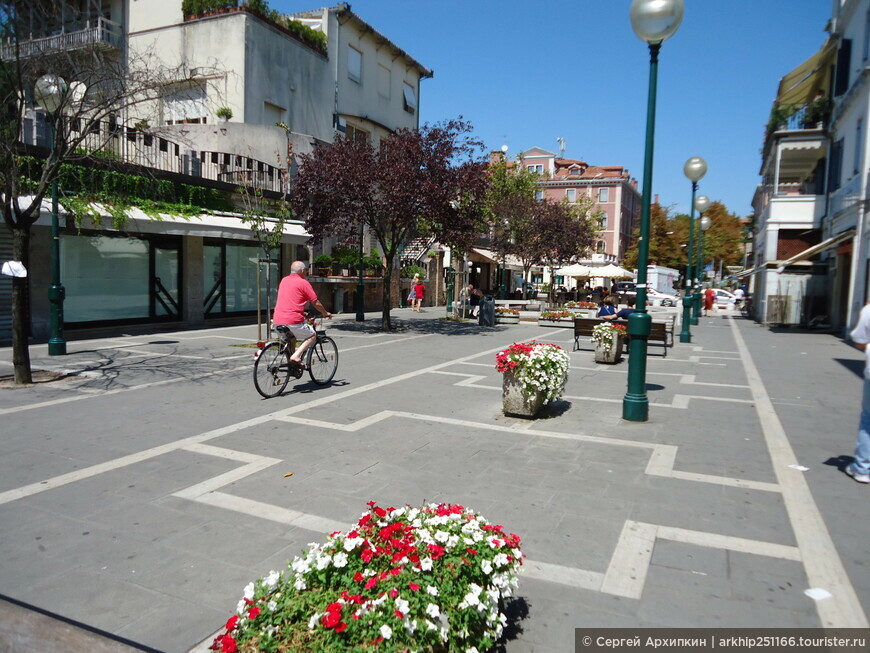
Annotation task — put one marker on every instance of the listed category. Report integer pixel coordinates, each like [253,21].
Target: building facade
[254,96]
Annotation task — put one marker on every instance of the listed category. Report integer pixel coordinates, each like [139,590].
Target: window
[836,168]
[537,169]
[354,64]
[352,133]
[602,222]
[410,98]
[539,194]
[859,145]
[571,194]
[599,248]
[867,37]
[603,195]
[186,104]
[385,77]
[844,58]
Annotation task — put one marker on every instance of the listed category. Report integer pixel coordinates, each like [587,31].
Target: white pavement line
[580,578]
[818,552]
[664,456]
[212,484]
[106,393]
[629,564]
[222,452]
[713,351]
[729,543]
[381,344]
[145,352]
[124,461]
[271,512]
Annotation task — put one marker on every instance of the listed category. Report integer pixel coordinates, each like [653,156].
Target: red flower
[380,512]
[331,619]
[334,607]
[413,586]
[232,622]
[253,613]
[394,593]
[398,614]
[340,628]
[228,644]
[366,555]
[358,577]
[371,582]
[471,552]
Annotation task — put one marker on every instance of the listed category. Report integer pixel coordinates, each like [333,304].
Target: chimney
[656,198]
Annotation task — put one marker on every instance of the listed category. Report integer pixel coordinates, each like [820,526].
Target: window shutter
[844,59]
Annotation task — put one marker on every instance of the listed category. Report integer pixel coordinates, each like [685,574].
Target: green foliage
[323,261]
[409,271]
[117,192]
[224,112]
[345,256]
[312,37]
[374,261]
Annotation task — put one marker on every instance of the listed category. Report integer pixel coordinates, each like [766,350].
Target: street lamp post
[654,21]
[701,204]
[694,169]
[49,92]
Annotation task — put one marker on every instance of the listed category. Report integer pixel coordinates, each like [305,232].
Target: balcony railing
[97,32]
[106,139]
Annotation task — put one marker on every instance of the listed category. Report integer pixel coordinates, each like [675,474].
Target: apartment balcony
[792,209]
[115,143]
[95,32]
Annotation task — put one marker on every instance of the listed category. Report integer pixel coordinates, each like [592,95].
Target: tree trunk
[387,294]
[20,318]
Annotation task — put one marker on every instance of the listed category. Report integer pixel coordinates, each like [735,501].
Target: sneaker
[861,478]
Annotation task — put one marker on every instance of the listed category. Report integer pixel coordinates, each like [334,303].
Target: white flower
[500,560]
[486,566]
[300,584]
[426,564]
[402,605]
[442,536]
[473,649]
[249,591]
[433,610]
[272,579]
[323,561]
[352,542]
[340,560]
[386,631]
[313,621]
[432,590]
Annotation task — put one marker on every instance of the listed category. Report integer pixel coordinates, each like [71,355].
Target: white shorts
[301,331]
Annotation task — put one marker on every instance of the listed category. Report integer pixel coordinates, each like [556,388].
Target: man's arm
[322,310]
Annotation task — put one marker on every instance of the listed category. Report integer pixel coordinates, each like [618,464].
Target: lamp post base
[57,347]
[635,408]
[360,301]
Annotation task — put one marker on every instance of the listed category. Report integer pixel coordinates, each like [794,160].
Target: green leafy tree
[667,236]
[723,241]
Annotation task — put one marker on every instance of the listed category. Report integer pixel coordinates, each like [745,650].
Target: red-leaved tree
[430,181]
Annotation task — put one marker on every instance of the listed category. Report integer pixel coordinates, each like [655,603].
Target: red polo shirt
[294,293]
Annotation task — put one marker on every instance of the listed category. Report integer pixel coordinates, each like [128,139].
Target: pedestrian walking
[709,300]
[412,295]
[419,295]
[859,469]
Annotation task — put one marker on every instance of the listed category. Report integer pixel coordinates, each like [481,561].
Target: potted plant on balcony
[323,263]
[374,264]
[533,374]
[816,113]
[608,338]
[224,114]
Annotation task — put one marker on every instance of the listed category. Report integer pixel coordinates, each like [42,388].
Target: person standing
[859,469]
[413,295]
[294,293]
[419,295]
[738,298]
[709,300]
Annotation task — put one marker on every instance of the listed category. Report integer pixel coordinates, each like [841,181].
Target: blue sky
[525,73]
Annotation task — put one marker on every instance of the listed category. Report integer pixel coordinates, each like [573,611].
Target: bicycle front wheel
[322,360]
[271,370]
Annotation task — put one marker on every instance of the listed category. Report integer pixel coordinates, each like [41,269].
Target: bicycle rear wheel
[271,370]
[322,360]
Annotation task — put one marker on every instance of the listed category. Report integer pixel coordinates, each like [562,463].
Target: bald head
[298,266]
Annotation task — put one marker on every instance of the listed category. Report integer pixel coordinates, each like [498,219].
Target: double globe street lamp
[49,93]
[654,21]
[694,169]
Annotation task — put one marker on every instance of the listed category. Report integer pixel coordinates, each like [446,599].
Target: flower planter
[515,401]
[507,319]
[563,322]
[610,356]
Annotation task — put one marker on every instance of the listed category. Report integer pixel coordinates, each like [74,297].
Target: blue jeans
[861,464]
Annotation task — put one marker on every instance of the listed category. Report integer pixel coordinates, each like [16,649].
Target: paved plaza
[140,493]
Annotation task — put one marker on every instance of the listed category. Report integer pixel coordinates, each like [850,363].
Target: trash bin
[486,311]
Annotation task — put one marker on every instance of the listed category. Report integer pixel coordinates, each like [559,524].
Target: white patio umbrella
[614,272]
[576,270]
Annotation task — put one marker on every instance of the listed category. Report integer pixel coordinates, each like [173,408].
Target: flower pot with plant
[533,374]
[506,315]
[224,114]
[556,318]
[608,338]
[433,578]
[323,263]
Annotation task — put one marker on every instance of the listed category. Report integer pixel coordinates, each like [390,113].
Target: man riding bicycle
[294,293]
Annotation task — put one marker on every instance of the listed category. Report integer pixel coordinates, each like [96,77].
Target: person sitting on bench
[608,309]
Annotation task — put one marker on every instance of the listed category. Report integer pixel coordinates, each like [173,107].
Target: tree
[723,241]
[429,181]
[667,236]
[102,85]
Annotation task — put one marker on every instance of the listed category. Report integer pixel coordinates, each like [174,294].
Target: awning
[809,79]
[746,273]
[492,257]
[816,249]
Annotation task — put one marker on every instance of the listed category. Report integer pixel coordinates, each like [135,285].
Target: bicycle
[272,369]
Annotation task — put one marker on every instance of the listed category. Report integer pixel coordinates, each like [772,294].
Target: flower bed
[538,367]
[427,579]
[506,312]
[556,315]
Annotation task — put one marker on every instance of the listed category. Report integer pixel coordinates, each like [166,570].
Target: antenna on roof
[561,142]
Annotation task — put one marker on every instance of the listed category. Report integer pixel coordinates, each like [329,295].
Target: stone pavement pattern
[141,494]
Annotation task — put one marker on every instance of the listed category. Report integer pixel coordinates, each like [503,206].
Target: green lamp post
[49,92]
[702,203]
[654,21]
[694,169]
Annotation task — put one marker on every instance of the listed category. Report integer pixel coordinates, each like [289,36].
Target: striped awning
[817,249]
[809,79]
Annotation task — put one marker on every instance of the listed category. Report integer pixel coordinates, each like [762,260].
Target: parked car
[657,298]
[724,298]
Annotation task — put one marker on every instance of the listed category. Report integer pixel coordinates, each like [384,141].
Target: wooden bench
[658,331]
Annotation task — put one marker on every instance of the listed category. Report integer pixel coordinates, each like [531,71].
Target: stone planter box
[507,319]
[610,356]
[515,401]
[564,322]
